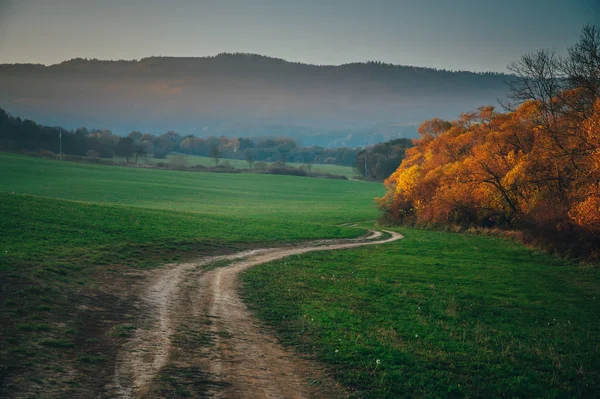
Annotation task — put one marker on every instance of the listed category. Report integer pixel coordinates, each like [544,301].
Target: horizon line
[255,54]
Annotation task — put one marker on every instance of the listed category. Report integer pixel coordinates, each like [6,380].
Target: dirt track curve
[193,319]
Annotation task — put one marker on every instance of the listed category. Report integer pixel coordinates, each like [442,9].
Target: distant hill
[245,95]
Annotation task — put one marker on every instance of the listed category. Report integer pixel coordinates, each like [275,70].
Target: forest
[28,136]
[533,167]
[381,160]
[17,134]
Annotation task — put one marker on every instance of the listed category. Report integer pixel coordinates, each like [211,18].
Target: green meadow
[91,213]
[439,315]
[70,230]
[433,315]
[247,196]
[193,160]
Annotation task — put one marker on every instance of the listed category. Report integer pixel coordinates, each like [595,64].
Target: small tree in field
[249,157]
[139,151]
[125,148]
[215,154]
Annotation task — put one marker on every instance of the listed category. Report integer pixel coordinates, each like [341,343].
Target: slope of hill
[243,94]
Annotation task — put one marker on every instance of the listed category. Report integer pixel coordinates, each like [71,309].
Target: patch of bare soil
[196,338]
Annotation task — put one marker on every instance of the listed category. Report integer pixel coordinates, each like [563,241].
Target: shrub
[260,165]
[47,154]
[92,154]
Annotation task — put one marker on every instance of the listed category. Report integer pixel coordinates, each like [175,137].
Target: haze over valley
[244,95]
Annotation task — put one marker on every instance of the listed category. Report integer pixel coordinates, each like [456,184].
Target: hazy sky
[475,35]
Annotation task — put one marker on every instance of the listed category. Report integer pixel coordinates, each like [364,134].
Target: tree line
[381,160]
[17,134]
[534,167]
[374,163]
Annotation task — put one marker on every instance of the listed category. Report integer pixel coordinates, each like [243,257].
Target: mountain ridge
[239,55]
[243,94]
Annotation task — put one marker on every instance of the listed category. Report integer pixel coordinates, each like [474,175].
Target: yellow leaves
[528,110]
[592,126]
[516,174]
[488,166]
[595,161]
[586,214]
[407,180]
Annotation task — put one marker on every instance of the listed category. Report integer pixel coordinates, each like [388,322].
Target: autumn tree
[535,167]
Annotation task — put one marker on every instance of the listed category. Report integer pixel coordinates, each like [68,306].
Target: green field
[248,196]
[69,231]
[445,314]
[193,160]
[439,315]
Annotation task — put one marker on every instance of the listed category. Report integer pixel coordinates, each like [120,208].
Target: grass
[445,314]
[244,196]
[73,236]
[57,343]
[67,216]
[439,315]
[193,160]
[65,236]
[33,327]
[92,359]
[123,331]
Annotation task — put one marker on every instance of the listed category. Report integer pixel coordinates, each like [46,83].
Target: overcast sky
[478,35]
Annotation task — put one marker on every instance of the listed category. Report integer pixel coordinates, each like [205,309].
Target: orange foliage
[587,213]
[503,169]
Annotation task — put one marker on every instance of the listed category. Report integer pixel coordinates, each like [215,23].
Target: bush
[277,165]
[178,161]
[47,154]
[160,153]
[286,171]
[260,165]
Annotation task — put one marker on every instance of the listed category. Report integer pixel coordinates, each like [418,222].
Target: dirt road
[193,328]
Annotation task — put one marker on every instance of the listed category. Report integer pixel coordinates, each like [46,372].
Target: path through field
[194,328]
